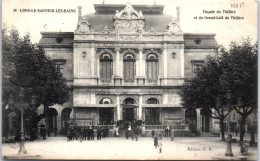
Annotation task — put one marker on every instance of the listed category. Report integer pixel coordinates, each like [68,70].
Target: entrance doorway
[51,120]
[206,120]
[129,110]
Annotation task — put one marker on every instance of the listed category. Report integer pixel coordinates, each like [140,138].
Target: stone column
[165,63]
[198,120]
[140,107]
[118,107]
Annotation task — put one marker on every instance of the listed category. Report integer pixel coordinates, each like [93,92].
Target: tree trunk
[222,129]
[242,128]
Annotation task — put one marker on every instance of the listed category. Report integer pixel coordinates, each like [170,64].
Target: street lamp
[228,96]
[229,138]
[21,94]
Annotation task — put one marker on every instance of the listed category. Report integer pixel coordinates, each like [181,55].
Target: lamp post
[229,138]
[22,105]
[228,96]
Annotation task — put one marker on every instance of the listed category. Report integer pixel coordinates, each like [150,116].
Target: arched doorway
[152,115]
[65,117]
[106,115]
[129,110]
[205,120]
[51,120]
[191,119]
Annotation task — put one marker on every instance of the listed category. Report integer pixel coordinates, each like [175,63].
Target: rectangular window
[106,70]
[152,71]
[152,116]
[196,64]
[129,70]
[106,116]
[60,64]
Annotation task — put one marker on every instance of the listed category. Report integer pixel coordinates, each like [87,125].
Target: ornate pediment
[129,20]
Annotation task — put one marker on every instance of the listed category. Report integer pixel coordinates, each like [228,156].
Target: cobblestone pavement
[120,148]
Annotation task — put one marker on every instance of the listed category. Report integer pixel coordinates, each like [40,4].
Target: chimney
[79,12]
[178,13]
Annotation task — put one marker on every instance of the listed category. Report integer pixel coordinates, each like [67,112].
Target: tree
[201,91]
[26,65]
[240,77]
[234,69]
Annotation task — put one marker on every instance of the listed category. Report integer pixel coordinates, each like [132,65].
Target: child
[160,145]
[155,139]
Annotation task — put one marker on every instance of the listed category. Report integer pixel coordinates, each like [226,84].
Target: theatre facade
[127,63]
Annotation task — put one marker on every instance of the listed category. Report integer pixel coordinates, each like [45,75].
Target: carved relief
[129,20]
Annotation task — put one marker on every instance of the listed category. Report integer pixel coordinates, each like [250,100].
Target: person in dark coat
[166,131]
[104,132]
[152,133]
[68,135]
[107,131]
[88,133]
[99,131]
[84,133]
[92,133]
[44,133]
[155,140]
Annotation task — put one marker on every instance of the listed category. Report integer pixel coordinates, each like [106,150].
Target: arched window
[106,101]
[152,67]
[152,114]
[152,101]
[106,67]
[129,67]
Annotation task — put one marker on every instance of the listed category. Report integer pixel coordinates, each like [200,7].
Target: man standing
[88,133]
[92,133]
[99,131]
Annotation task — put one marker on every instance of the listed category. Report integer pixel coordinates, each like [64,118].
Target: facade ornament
[152,30]
[129,20]
[174,26]
[83,26]
[106,30]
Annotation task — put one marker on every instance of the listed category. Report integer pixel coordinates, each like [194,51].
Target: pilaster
[92,55]
[140,107]
[141,68]
[118,108]
[165,63]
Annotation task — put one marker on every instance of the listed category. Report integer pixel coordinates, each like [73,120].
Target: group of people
[133,131]
[86,133]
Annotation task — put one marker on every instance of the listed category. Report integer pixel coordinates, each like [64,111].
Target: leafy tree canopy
[234,70]
[26,65]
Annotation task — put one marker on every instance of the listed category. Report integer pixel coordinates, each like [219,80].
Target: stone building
[127,63]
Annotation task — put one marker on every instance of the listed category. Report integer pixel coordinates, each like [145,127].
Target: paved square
[120,148]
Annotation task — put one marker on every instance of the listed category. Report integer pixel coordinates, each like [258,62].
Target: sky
[226,30]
